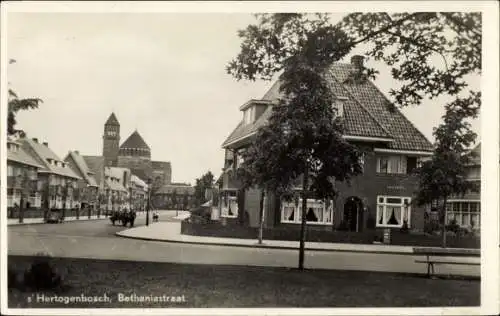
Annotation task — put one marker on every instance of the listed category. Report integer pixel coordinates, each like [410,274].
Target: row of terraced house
[381,197]
[119,179]
[39,180]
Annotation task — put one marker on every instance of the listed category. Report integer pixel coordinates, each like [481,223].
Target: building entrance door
[352,214]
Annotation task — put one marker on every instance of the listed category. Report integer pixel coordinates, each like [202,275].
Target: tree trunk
[304,214]
[444,222]
[21,210]
[261,225]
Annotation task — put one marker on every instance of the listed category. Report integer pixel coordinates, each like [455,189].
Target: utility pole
[149,202]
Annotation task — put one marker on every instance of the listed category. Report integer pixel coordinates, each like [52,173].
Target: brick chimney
[357,61]
[46,144]
[35,140]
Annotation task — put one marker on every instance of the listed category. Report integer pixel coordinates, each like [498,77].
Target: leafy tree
[202,184]
[303,140]
[185,200]
[27,186]
[431,54]
[14,106]
[444,175]
[174,198]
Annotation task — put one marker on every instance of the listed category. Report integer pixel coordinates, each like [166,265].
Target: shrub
[453,227]
[343,226]
[431,226]
[41,275]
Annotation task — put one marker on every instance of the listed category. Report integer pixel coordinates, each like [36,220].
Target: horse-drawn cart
[124,217]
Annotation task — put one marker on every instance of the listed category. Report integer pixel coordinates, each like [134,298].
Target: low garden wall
[216,229]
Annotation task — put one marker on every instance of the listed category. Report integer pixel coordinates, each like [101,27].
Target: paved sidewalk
[171,232]
[33,221]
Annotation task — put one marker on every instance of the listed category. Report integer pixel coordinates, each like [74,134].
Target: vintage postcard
[277,158]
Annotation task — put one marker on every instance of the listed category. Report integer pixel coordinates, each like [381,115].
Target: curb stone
[263,246]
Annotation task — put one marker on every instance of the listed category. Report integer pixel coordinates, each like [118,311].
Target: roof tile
[367,113]
[135,141]
[43,153]
[22,157]
[85,171]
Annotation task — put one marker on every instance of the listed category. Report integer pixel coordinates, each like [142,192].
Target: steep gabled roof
[135,141]
[112,120]
[21,156]
[406,135]
[138,181]
[42,153]
[96,165]
[83,170]
[243,129]
[367,113]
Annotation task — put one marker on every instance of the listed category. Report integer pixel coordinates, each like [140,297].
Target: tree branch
[456,21]
[416,43]
[386,28]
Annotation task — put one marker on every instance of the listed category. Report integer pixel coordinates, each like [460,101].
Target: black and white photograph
[250,158]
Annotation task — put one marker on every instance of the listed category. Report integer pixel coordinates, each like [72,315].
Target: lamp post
[405,227]
[149,204]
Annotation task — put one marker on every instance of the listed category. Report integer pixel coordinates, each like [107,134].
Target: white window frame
[10,170]
[401,167]
[362,161]
[298,212]
[451,213]
[249,115]
[383,206]
[339,106]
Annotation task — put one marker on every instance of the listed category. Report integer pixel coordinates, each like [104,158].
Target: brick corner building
[381,197]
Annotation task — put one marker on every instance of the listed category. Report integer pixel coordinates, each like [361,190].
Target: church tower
[111,141]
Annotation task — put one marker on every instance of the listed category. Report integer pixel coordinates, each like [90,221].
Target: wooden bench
[431,255]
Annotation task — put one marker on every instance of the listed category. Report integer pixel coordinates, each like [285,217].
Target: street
[96,240]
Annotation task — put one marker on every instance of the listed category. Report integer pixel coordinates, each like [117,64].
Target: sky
[160,73]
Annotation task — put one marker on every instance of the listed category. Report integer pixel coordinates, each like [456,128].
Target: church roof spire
[112,120]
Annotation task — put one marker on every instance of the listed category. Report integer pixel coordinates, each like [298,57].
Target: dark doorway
[353,212]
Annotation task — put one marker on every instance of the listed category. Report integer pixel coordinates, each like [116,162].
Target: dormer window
[13,147]
[49,160]
[249,115]
[253,109]
[339,106]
